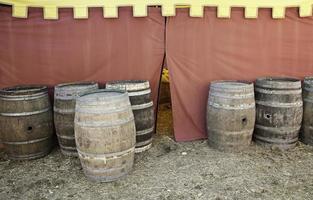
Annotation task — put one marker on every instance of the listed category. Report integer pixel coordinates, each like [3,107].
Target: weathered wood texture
[105,134]
[279,109]
[230,115]
[26,124]
[140,97]
[64,111]
[306,134]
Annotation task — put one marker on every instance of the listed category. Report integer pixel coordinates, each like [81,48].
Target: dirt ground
[169,170]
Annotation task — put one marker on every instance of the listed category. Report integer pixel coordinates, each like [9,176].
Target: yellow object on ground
[165,76]
[110,7]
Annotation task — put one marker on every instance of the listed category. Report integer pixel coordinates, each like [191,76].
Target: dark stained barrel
[140,98]
[306,134]
[64,111]
[230,115]
[105,134]
[279,111]
[26,122]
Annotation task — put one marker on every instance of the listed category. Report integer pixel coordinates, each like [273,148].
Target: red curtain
[37,51]
[200,50]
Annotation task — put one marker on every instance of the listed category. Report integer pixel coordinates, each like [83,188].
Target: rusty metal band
[232,96]
[231,107]
[25,113]
[104,157]
[142,106]
[65,137]
[139,144]
[273,91]
[27,142]
[97,110]
[142,149]
[67,147]
[63,111]
[100,124]
[279,104]
[144,132]
[139,93]
[24,97]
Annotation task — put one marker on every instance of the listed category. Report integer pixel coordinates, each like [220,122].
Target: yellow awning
[110,7]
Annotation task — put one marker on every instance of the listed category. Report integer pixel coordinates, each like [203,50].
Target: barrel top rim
[236,82]
[232,84]
[128,81]
[279,79]
[122,93]
[308,79]
[76,83]
[129,85]
[279,82]
[18,90]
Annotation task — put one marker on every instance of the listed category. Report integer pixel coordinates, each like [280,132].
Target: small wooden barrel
[140,98]
[230,115]
[64,111]
[105,134]
[279,111]
[26,122]
[306,134]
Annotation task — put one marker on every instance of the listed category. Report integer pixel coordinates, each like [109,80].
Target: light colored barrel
[105,134]
[306,134]
[139,93]
[64,111]
[279,110]
[230,115]
[26,122]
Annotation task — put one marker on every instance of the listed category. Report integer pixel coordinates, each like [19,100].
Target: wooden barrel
[306,134]
[26,122]
[105,134]
[140,98]
[64,111]
[230,115]
[278,111]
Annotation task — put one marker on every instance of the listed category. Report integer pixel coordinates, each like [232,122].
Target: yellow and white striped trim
[110,7]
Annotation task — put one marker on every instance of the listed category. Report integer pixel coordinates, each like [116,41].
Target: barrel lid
[278,82]
[231,84]
[103,94]
[308,82]
[23,91]
[129,85]
[73,89]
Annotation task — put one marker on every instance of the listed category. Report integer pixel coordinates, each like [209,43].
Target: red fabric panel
[202,50]
[37,51]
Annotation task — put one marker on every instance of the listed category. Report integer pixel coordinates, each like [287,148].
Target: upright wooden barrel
[306,134]
[230,115]
[64,111]
[26,124]
[279,111]
[140,98]
[105,134]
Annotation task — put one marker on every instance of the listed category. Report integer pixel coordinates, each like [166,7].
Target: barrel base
[105,179]
[281,146]
[228,148]
[143,148]
[69,153]
[30,156]
[306,136]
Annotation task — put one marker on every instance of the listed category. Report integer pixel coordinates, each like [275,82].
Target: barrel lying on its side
[279,111]
[140,97]
[64,111]
[306,134]
[105,134]
[230,115]
[26,122]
